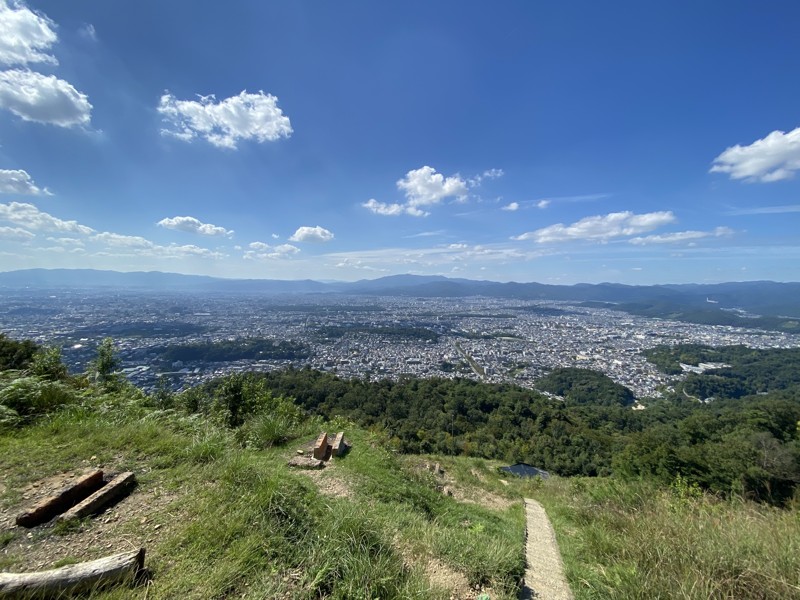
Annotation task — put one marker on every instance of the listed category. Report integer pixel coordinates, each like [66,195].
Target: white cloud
[88,32]
[43,98]
[392,210]
[193,225]
[681,236]
[26,36]
[31,217]
[17,181]
[511,207]
[262,251]
[424,186]
[311,234]
[347,263]
[421,234]
[65,241]
[772,158]
[143,247]
[15,234]
[445,256]
[766,210]
[601,227]
[543,204]
[488,174]
[224,123]
[122,241]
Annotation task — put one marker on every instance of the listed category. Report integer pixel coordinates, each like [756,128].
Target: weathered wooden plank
[340,445]
[120,486]
[72,579]
[321,446]
[65,499]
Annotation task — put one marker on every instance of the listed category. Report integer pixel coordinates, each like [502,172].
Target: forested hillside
[213,469]
[744,442]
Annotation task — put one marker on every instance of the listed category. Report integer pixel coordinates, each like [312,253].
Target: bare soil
[136,521]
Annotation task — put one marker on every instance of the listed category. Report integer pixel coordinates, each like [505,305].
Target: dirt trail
[544,575]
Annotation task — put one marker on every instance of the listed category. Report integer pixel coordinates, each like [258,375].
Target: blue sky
[529,141]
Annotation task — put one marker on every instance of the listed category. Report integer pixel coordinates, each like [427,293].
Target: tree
[103,368]
[15,354]
[47,364]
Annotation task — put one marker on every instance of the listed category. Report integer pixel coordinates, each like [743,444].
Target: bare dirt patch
[330,482]
[138,520]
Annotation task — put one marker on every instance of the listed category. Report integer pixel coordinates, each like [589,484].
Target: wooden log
[73,579]
[65,499]
[321,446]
[120,486]
[340,445]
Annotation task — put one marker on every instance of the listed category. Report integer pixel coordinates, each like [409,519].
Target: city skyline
[521,142]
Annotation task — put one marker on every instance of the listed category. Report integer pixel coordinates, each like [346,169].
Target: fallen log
[65,499]
[74,579]
[120,486]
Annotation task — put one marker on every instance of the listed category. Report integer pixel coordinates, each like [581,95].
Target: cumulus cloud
[224,123]
[15,234]
[543,204]
[26,36]
[681,236]
[311,234]
[422,187]
[601,228]
[262,251]
[772,158]
[43,98]
[17,181]
[193,225]
[511,207]
[30,217]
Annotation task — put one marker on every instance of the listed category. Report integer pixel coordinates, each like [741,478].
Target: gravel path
[544,575]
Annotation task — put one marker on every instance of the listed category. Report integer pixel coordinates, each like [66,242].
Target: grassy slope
[633,540]
[222,521]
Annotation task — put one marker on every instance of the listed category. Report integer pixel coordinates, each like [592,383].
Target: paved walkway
[544,575]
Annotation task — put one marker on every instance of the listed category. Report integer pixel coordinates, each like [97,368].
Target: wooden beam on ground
[321,446]
[120,486]
[65,499]
[73,579]
[340,445]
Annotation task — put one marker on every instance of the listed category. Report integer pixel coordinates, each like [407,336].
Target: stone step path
[544,573]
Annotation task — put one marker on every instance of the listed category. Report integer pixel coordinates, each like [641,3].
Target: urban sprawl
[494,340]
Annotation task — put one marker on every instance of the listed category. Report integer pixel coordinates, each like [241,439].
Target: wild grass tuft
[635,540]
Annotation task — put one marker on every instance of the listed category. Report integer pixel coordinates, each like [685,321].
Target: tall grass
[634,540]
[237,522]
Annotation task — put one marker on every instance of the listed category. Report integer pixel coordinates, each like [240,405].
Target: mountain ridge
[765,298]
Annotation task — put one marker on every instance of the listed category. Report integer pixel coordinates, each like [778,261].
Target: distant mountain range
[766,304]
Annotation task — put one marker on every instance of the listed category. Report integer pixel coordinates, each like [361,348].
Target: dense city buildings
[496,340]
